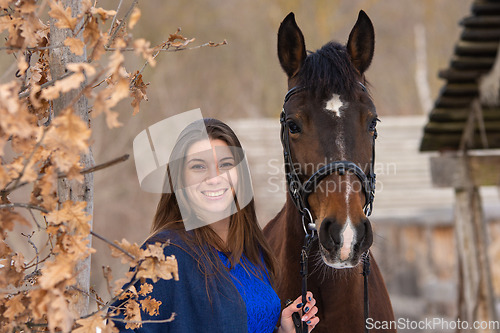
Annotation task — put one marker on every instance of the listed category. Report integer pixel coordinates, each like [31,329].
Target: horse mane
[329,70]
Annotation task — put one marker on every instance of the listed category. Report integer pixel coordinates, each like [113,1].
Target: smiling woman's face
[210,177]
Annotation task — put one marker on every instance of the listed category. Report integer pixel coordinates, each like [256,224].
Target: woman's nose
[214,176]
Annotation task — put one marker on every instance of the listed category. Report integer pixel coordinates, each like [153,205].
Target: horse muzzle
[342,245]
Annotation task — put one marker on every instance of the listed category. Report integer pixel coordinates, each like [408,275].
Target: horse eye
[373,125]
[294,128]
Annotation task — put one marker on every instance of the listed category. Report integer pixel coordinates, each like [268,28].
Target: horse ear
[291,46]
[361,43]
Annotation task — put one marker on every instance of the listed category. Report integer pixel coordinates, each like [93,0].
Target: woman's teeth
[214,193]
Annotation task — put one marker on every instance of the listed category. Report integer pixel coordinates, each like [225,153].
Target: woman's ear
[361,43]
[291,46]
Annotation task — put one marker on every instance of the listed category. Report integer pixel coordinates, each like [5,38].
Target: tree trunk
[72,190]
[476,296]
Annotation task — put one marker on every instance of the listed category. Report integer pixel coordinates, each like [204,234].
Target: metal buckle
[311,225]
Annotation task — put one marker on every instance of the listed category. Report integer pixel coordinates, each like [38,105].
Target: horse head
[328,116]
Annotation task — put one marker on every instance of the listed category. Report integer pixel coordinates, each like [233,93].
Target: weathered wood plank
[486,8]
[455,75]
[460,89]
[454,102]
[481,21]
[481,35]
[452,115]
[460,62]
[447,171]
[458,127]
[450,141]
[485,49]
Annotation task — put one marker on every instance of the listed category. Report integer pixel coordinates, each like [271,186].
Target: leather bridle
[299,194]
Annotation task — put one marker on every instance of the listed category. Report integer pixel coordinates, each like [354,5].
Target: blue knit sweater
[236,302]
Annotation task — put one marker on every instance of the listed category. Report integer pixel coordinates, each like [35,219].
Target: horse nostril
[329,234]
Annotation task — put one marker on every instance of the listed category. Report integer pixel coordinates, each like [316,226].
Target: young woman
[226,268]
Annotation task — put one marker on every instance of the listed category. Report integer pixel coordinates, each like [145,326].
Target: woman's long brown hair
[245,235]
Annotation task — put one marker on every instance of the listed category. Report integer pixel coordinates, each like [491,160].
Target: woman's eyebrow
[196,160]
[227,158]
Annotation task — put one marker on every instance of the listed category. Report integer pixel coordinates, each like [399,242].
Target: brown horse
[329,117]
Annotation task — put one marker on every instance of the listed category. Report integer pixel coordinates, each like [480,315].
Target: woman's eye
[226,166]
[198,167]
[294,128]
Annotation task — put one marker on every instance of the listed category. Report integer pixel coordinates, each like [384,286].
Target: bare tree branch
[34,247]
[114,17]
[83,172]
[23,205]
[169,49]
[47,84]
[132,83]
[172,316]
[100,166]
[112,244]
[122,22]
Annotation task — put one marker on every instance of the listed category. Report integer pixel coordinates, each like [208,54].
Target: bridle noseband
[300,192]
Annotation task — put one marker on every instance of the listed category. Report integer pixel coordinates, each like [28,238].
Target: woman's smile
[214,195]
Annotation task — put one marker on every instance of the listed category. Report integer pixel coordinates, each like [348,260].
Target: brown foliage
[38,293]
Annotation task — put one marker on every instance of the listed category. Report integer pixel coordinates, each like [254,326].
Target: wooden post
[465,173]
[72,190]
[476,300]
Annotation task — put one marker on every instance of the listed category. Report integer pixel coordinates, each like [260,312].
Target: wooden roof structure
[474,56]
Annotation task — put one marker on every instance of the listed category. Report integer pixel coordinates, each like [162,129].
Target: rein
[300,192]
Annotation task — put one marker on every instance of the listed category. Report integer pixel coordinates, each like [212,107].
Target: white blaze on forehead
[334,105]
[348,237]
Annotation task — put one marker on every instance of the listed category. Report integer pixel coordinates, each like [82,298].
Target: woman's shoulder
[165,236]
[174,243]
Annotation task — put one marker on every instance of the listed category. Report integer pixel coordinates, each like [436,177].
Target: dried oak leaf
[73,215]
[9,218]
[99,49]
[68,132]
[151,306]
[59,313]
[146,288]
[141,46]
[18,262]
[138,93]
[89,325]
[134,17]
[26,6]
[86,5]
[91,34]
[132,313]
[154,268]
[14,307]
[104,14]
[4,4]
[174,36]
[115,63]
[58,270]
[75,246]
[79,67]
[132,249]
[75,45]
[8,273]
[29,29]
[63,16]
[63,86]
